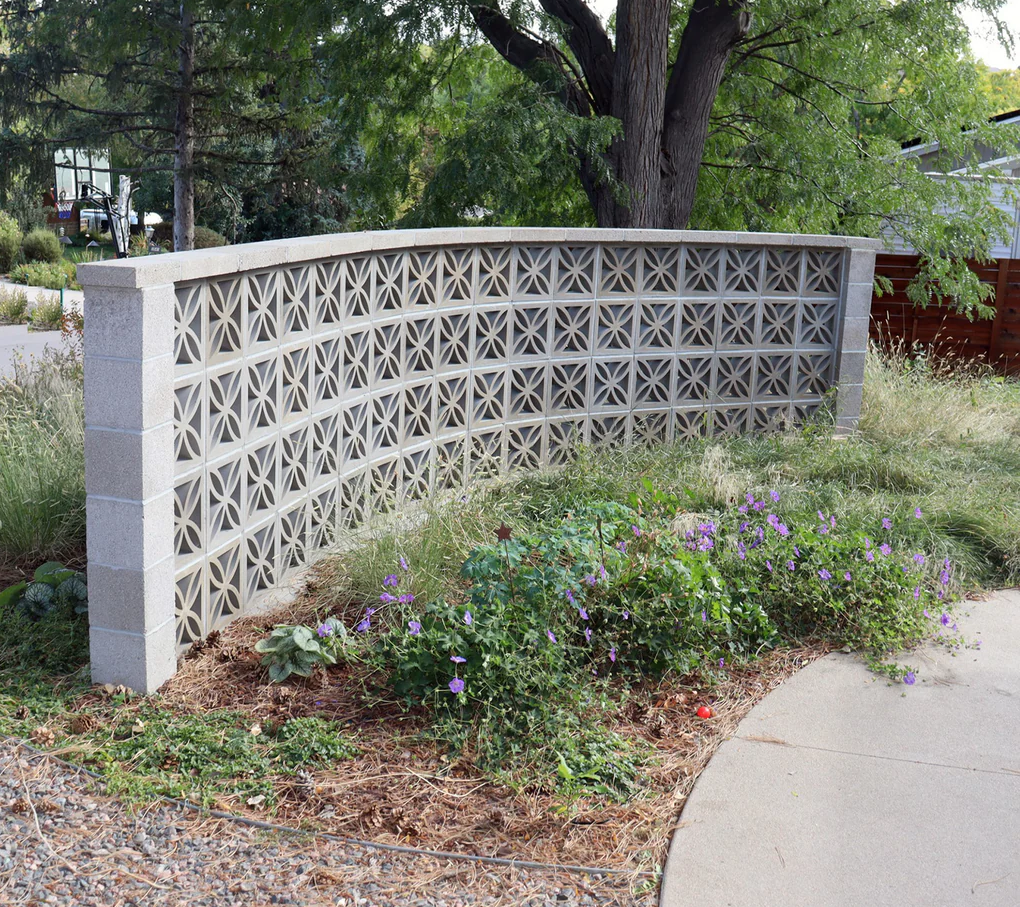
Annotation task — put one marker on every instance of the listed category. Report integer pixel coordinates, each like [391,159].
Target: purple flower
[919,559]
[704,617]
[387,599]
[775,496]
[926,614]
[869,556]
[413,627]
[391,580]
[324,631]
[759,505]
[582,613]
[886,523]
[791,566]
[468,619]
[917,513]
[847,576]
[457,660]
[369,612]
[590,579]
[944,619]
[742,551]
[824,574]
[364,626]
[772,520]
[917,593]
[612,654]
[944,577]
[622,547]
[885,549]
[769,565]
[403,564]
[743,526]
[407,598]
[602,571]
[456,685]
[551,635]
[782,529]
[570,598]
[587,634]
[742,508]
[636,531]
[821,516]
[706,544]
[909,678]
[796,551]
[626,615]
[722,662]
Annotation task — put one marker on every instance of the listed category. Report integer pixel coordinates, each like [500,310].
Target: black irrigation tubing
[371,845]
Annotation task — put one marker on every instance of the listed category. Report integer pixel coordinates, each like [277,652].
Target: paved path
[14,338]
[841,789]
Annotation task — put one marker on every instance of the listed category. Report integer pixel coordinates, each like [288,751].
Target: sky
[983,41]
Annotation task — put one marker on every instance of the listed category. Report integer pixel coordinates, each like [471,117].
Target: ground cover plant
[500,693]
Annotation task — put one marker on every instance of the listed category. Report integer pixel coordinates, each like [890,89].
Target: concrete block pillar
[129,456]
[858,278]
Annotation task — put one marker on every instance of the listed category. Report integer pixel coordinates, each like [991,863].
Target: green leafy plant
[10,242]
[13,306]
[53,587]
[49,275]
[298,649]
[42,245]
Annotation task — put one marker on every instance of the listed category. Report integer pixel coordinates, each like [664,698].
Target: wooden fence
[894,318]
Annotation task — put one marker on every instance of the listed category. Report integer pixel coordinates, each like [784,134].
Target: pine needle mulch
[403,789]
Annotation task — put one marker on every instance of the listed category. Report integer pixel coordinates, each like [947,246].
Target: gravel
[63,841]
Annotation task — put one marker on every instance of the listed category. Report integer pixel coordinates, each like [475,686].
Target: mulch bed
[406,790]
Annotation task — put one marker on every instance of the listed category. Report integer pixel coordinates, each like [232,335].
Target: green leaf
[45,570]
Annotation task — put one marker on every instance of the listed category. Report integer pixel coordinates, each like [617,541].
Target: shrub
[163,235]
[13,306]
[51,276]
[42,245]
[10,242]
[208,239]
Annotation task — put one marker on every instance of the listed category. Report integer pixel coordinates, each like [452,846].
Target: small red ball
[705,712]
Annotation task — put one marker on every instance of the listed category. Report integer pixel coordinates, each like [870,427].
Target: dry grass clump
[933,401]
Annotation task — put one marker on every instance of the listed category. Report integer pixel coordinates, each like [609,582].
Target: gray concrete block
[130,534]
[862,266]
[858,300]
[130,465]
[855,335]
[209,262]
[141,663]
[848,401]
[850,368]
[128,394]
[149,271]
[131,601]
[130,323]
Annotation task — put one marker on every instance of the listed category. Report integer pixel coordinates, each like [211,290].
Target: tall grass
[42,459]
[942,439]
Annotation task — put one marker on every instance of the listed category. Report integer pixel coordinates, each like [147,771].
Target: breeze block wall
[242,403]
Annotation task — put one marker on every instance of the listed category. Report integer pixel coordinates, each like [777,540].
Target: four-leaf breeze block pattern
[309,395]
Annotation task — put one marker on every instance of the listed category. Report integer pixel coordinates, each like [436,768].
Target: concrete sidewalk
[842,789]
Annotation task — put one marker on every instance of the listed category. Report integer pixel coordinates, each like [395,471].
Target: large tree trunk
[639,90]
[184,129]
[713,30]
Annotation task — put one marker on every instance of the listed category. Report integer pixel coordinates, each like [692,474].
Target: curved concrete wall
[241,401]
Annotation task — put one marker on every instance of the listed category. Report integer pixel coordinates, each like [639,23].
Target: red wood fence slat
[895,319]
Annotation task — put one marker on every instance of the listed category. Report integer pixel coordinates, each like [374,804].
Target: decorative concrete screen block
[244,403]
